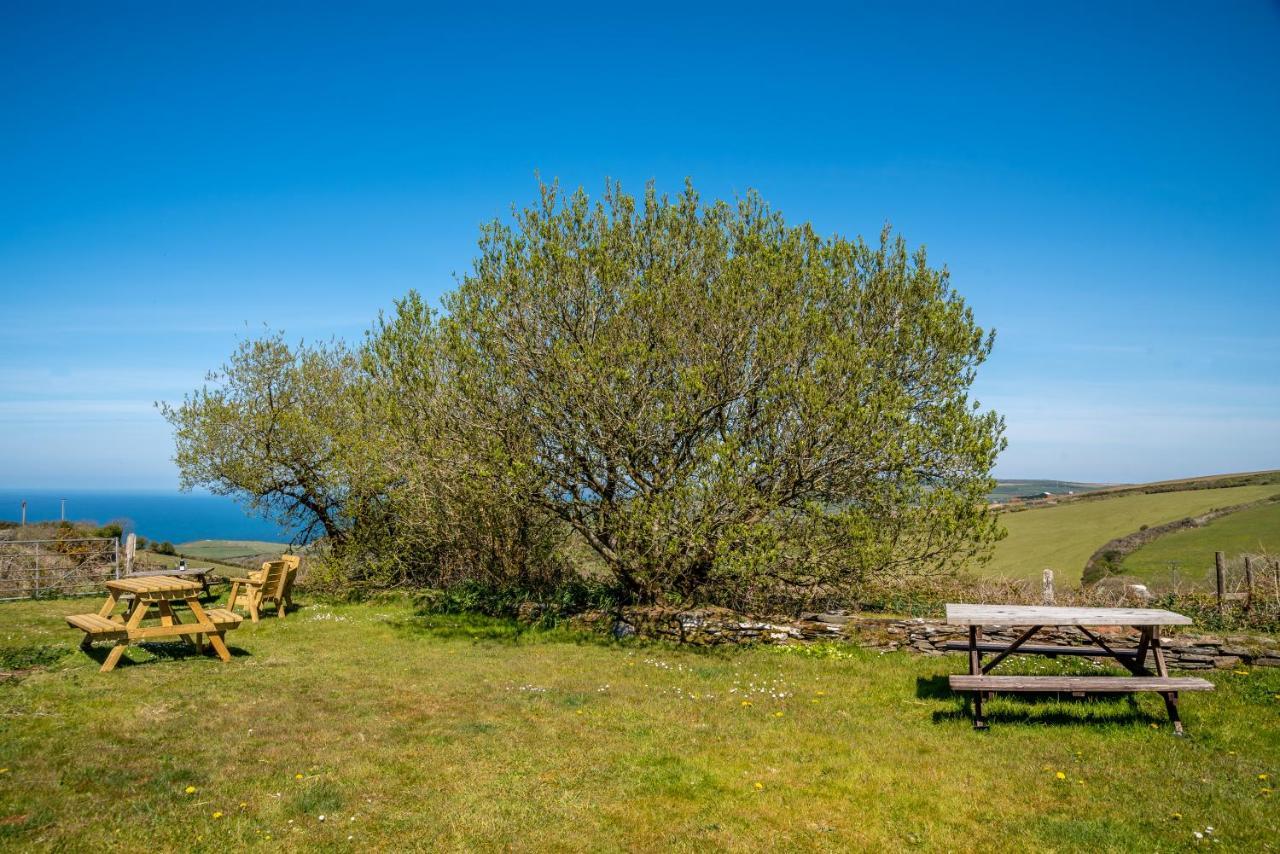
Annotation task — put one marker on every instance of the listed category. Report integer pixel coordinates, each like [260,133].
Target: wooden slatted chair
[259,587]
[285,598]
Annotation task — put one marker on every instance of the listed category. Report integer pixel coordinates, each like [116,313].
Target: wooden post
[1220,568]
[1248,582]
[1047,582]
[130,552]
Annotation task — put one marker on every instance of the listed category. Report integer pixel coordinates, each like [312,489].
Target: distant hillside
[1008,490]
[1063,532]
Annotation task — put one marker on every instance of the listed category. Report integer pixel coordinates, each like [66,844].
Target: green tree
[724,406]
[272,427]
[455,502]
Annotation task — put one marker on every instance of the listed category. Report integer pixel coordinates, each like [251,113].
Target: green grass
[1062,537]
[1256,530]
[229,549]
[463,734]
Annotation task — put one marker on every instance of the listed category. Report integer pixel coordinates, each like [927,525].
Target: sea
[157,515]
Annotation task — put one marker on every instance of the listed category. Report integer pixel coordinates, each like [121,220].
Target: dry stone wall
[714,626]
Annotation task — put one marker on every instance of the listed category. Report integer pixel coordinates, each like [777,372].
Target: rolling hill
[1064,534]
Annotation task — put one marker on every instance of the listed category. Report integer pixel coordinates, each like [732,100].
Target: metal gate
[34,568]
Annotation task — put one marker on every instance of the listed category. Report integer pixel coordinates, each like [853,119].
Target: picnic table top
[153,585]
[1045,615]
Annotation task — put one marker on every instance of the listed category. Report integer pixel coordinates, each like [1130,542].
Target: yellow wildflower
[190,790]
[759,785]
[217,815]
[1060,775]
[297,776]
[778,714]
[1264,776]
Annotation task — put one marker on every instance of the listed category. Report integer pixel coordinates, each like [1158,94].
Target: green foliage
[163,548]
[719,406]
[271,427]
[573,596]
[725,407]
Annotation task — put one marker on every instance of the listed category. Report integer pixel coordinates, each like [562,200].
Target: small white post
[1048,586]
[130,551]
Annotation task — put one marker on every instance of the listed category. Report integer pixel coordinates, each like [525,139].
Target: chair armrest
[245,581]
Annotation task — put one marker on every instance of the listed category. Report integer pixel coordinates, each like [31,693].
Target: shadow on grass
[161,651]
[1037,709]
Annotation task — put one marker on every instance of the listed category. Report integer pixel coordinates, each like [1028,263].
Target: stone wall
[713,626]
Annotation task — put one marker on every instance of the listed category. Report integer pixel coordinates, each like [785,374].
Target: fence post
[115,545]
[36,594]
[1248,582]
[1220,570]
[1047,583]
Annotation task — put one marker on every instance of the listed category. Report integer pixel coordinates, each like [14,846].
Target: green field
[229,549]
[413,733]
[1062,537]
[1189,553]
[1009,489]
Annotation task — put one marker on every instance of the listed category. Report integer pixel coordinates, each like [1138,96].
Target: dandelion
[1177,816]
[1155,726]
[1060,775]
[190,790]
[217,815]
[746,702]
[759,785]
[1240,672]
[778,714]
[1264,776]
[243,804]
[297,776]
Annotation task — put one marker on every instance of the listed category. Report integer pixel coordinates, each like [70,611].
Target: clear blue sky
[1103,180]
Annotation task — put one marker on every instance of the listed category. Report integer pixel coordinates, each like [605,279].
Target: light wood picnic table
[1148,622]
[162,593]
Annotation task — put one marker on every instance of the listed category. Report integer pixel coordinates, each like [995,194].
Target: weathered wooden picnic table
[162,592]
[1148,622]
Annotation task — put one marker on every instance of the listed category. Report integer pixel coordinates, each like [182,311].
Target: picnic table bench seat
[92,624]
[1079,684]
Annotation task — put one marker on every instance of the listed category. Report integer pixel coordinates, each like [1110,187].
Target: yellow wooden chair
[259,587]
[284,596]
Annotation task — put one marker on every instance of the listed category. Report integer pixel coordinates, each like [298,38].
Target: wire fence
[30,569]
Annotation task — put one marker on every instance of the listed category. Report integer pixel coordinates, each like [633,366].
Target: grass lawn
[1063,537]
[455,733]
[1256,530]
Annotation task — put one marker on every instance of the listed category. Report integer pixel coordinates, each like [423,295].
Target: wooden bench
[1079,684]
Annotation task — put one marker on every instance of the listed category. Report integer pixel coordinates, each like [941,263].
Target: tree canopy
[707,403]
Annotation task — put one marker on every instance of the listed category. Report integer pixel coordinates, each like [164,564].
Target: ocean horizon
[155,514]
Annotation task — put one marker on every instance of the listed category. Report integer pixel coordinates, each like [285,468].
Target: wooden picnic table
[163,593]
[1148,622]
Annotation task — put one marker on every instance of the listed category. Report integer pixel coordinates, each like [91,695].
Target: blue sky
[1102,182]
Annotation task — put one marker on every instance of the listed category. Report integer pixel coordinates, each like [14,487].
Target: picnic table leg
[215,637]
[975,669]
[135,619]
[1162,670]
[169,618]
